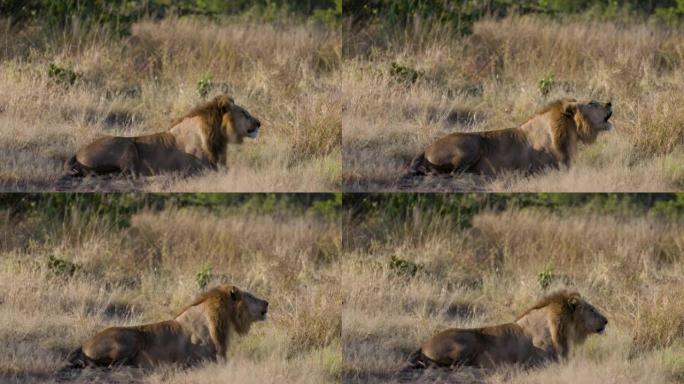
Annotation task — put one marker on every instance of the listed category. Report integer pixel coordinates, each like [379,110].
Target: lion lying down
[547,140]
[201,331]
[542,333]
[194,142]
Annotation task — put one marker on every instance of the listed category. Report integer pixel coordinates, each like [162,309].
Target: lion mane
[211,114]
[560,306]
[543,332]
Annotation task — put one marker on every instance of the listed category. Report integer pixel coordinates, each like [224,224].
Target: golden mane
[224,312]
[211,113]
[561,316]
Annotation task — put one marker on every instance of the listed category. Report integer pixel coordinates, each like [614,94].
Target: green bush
[61,267]
[204,85]
[546,84]
[545,277]
[203,276]
[403,74]
[404,267]
[62,75]
[328,208]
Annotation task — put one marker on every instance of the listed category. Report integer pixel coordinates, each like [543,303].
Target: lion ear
[574,302]
[234,293]
[569,109]
[224,102]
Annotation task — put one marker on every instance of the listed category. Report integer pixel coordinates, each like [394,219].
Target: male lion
[201,331]
[542,333]
[196,141]
[547,140]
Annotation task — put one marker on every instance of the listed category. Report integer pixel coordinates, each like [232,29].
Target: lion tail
[417,360]
[75,360]
[73,168]
[418,167]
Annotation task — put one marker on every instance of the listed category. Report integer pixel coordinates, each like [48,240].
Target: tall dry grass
[285,74]
[147,272]
[490,80]
[629,267]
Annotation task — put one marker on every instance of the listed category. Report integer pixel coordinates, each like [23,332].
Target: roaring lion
[196,141]
[542,333]
[547,140]
[201,331]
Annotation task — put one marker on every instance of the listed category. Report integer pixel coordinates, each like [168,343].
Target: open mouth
[610,113]
[601,330]
[264,314]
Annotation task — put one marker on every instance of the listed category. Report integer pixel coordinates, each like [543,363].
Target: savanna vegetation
[71,265]
[72,71]
[416,264]
[416,71]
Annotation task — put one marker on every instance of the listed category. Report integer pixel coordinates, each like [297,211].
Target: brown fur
[547,140]
[196,141]
[200,331]
[541,333]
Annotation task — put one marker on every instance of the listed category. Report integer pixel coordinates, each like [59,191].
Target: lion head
[229,307]
[586,319]
[247,309]
[572,319]
[224,122]
[236,122]
[589,117]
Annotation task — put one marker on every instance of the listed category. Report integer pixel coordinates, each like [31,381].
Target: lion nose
[258,123]
[605,321]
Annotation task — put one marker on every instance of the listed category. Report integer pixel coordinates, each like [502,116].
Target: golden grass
[146,273]
[284,74]
[629,267]
[490,80]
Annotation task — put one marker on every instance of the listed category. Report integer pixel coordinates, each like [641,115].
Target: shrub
[62,75]
[546,84]
[545,278]
[204,85]
[203,276]
[404,267]
[403,74]
[61,267]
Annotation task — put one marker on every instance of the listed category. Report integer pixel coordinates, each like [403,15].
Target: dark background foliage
[460,14]
[119,14]
[462,206]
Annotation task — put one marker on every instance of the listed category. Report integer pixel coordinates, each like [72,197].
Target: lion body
[542,333]
[200,332]
[547,140]
[194,142]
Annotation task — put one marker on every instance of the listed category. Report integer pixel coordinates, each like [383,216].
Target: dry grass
[285,74]
[146,273]
[629,267]
[490,80]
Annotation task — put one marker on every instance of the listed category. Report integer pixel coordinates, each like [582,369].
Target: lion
[543,333]
[194,142]
[547,140]
[201,331]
